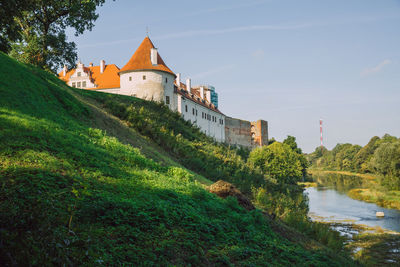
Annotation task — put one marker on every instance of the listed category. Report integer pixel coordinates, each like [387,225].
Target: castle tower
[146,76]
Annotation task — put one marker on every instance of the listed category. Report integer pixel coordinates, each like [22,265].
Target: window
[79,84]
[130,78]
[166,80]
[193,111]
[73,84]
[185,108]
[79,74]
[83,84]
[144,77]
[167,100]
[196,112]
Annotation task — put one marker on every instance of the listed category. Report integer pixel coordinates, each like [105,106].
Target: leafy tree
[9,30]
[279,161]
[362,158]
[270,141]
[291,141]
[42,26]
[386,161]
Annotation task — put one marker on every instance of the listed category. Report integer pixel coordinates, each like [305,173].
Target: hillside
[80,187]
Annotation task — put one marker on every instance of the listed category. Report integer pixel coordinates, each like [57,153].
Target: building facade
[147,76]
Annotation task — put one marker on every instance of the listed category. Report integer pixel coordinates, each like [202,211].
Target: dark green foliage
[72,195]
[35,29]
[9,28]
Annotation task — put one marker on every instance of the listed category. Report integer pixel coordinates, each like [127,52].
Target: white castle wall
[149,85]
[209,121]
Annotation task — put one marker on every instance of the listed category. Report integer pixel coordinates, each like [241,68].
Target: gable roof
[141,59]
[108,79]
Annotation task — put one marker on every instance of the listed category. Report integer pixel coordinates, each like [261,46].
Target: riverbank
[388,199]
[374,193]
[371,246]
[362,175]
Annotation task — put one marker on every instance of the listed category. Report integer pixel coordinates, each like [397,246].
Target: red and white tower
[320,130]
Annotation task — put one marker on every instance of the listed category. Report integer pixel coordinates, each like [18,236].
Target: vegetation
[272,187]
[71,193]
[381,156]
[372,246]
[387,199]
[184,142]
[33,31]
[279,161]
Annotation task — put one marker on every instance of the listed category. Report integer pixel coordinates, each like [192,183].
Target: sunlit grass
[71,193]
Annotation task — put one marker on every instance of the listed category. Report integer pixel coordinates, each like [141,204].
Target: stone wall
[259,133]
[246,134]
[237,132]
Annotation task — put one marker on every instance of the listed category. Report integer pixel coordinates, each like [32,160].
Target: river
[329,201]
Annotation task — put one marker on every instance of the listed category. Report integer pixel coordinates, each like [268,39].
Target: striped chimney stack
[320,130]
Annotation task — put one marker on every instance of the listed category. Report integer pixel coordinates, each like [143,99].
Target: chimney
[188,85]
[65,70]
[201,92]
[153,56]
[208,95]
[102,65]
[178,80]
[91,64]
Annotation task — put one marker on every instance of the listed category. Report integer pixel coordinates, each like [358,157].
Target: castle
[146,76]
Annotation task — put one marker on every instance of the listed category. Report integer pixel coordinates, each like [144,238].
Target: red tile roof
[141,59]
[108,79]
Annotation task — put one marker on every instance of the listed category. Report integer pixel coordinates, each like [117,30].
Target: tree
[362,158]
[291,142]
[9,30]
[279,161]
[386,161]
[42,26]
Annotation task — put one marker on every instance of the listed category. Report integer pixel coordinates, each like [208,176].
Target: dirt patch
[224,189]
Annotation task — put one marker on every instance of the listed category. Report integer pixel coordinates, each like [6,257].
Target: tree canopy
[35,31]
[380,156]
[279,161]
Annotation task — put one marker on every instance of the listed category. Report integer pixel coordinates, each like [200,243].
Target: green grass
[75,191]
[382,197]
[182,141]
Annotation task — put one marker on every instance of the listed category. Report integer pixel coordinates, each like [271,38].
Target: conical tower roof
[141,59]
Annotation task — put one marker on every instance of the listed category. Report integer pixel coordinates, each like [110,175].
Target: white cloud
[230,30]
[203,33]
[377,68]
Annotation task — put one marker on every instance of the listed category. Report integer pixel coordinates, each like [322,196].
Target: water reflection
[341,183]
[329,200]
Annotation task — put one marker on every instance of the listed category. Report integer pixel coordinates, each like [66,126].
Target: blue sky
[290,62]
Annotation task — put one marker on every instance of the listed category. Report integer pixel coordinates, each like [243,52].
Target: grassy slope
[71,193]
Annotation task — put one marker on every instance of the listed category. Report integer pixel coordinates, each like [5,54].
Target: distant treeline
[380,156]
